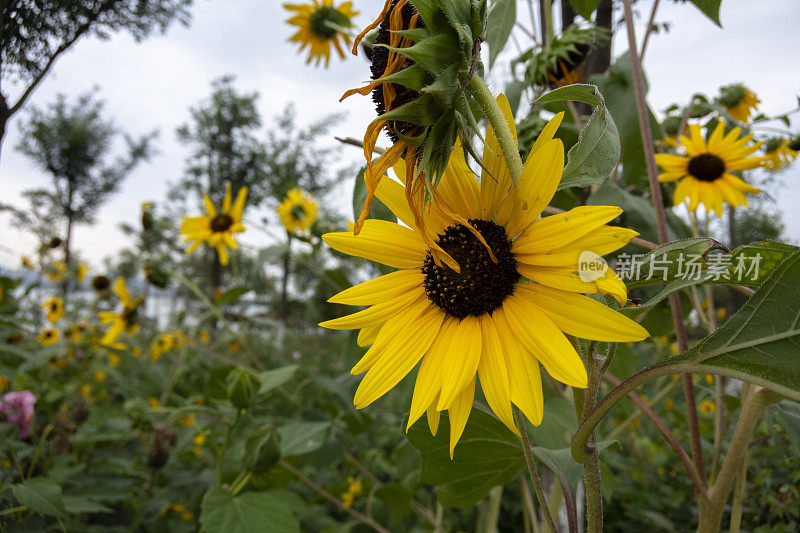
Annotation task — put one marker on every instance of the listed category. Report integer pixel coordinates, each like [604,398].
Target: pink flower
[18,408]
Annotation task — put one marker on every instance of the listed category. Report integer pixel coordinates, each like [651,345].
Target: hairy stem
[478,89]
[537,484]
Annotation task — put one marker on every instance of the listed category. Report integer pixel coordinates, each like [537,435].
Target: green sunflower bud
[671,125]
[731,95]
[156,274]
[242,387]
[262,450]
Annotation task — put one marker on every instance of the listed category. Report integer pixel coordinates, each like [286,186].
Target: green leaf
[298,438]
[501,20]
[250,512]
[710,8]
[488,454]
[397,499]
[41,495]
[232,295]
[377,210]
[584,8]
[81,505]
[562,464]
[591,160]
[761,342]
[275,378]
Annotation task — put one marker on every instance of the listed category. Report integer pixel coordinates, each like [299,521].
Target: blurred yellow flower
[321,25]
[298,211]
[164,344]
[707,406]
[55,271]
[216,228]
[113,360]
[205,336]
[778,154]
[75,331]
[739,101]
[127,319]
[80,275]
[153,402]
[99,376]
[86,390]
[669,405]
[187,420]
[235,346]
[48,336]
[709,379]
[186,516]
[354,487]
[721,313]
[54,307]
[4,382]
[705,174]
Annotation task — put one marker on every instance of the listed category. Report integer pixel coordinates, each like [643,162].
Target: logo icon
[591,266]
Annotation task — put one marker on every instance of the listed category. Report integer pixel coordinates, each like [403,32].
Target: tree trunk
[567,14]
[599,58]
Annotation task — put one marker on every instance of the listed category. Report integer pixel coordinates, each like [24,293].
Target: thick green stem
[754,401]
[478,89]
[738,496]
[591,468]
[537,485]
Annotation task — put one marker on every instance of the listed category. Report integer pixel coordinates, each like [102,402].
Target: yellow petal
[375,314]
[495,178]
[429,377]
[540,178]
[525,379]
[556,231]
[461,356]
[581,316]
[601,241]
[380,289]
[399,358]
[459,413]
[537,334]
[493,373]
[383,242]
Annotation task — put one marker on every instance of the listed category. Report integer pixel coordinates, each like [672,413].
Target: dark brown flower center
[706,167]
[482,284]
[221,223]
[298,212]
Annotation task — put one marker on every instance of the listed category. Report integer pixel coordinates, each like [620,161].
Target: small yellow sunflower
[298,211]
[125,320]
[507,304]
[778,154]
[705,173]
[739,101]
[48,336]
[321,24]
[54,307]
[216,229]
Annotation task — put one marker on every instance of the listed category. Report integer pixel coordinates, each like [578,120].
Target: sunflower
[56,270]
[54,307]
[101,283]
[298,211]
[778,154]
[48,336]
[216,228]
[321,24]
[506,306]
[126,320]
[706,172]
[739,101]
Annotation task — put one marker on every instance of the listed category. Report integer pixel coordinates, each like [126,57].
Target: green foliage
[500,23]
[245,513]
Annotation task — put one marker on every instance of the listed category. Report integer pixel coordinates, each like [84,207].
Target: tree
[72,143]
[34,34]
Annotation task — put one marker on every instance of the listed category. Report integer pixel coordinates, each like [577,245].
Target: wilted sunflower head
[423,58]
[321,25]
[739,101]
[101,283]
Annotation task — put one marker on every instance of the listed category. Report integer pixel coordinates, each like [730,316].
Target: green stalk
[537,484]
[478,89]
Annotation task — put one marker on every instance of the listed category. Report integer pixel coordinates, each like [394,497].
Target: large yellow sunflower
[321,24]
[506,307]
[216,229]
[739,101]
[298,210]
[705,172]
[127,319]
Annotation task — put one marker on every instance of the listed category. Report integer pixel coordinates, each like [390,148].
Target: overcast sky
[152,84]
